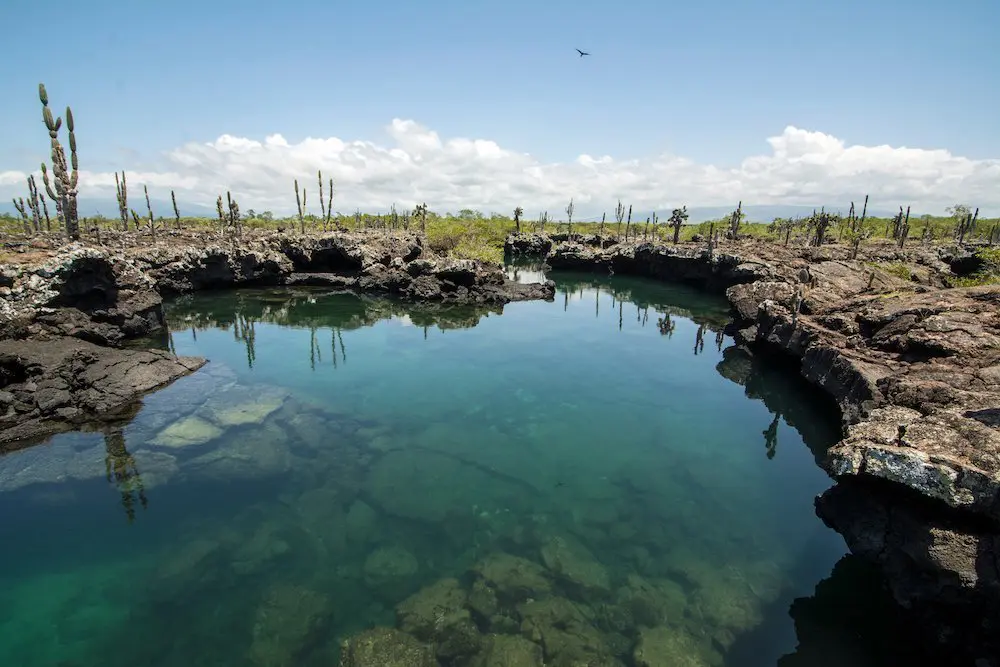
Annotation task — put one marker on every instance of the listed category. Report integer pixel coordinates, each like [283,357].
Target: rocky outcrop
[81,292]
[673,263]
[942,567]
[914,370]
[58,384]
[394,265]
[527,244]
[65,312]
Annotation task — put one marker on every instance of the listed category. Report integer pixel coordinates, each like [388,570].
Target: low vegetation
[989,272]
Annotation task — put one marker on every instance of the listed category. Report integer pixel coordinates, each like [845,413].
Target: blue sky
[709,82]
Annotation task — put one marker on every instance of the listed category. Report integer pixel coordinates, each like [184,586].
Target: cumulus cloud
[12,177]
[416,165]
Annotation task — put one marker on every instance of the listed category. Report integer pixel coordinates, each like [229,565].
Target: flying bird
[582,53]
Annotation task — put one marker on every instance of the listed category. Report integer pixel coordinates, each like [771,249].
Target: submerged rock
[425,613]
[651,604]
[289,620]
[255,453]
[483,599]
[669,647]
[513,578]
[361,523]
[432,487]
[242,405]
[389,571]
[386,647]
[190,431]
[574,564]
[509,651]
[565,631]
[437,615]
[191,568]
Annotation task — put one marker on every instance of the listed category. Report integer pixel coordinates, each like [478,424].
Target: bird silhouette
[582,53]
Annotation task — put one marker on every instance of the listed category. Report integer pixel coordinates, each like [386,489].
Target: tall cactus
[322,203]
[677,218]
[222,214]
[298,202]
[326,207]
[63,188]
[234,215]
[45,210]
[19,205]
[177,213]
[152,223]
[735,219]
[121,190]
[33,204]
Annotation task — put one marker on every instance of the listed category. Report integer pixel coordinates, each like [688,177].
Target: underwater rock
[729,605]
[265,547]
[513,578]
[323,517]
[242,405]
[573,563]
[178,400]
[670,647]
[729,597]
[564,629]
[437,615]
[190,568]
[483,599]
[386,647]
[389,571]
[426,613]
[459,641]
[651,604]
[88,459]
[509,651]
[361,523]
[255,453]
[432,487]
[288,620]
[188,432]
[311,429]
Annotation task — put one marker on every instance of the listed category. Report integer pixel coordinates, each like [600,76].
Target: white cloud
[12,177]
[802,167]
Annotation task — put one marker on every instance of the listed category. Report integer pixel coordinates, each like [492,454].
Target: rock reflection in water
[497,496]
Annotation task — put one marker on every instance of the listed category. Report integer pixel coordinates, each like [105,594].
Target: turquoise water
[604,475]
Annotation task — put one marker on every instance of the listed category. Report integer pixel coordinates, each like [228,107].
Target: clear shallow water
[608,454]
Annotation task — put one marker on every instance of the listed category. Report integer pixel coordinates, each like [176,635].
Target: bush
[989,274]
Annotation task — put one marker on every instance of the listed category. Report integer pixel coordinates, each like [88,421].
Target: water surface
[340,453]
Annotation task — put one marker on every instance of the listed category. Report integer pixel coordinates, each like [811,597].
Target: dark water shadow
[788,396]
[850,620]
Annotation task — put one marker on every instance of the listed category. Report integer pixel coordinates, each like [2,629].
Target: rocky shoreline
[913,367]
[66,311]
